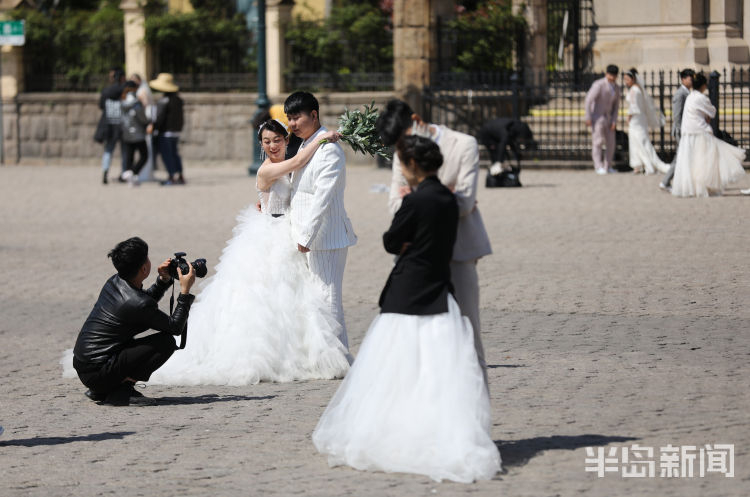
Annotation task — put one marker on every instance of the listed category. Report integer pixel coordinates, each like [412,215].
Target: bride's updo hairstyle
[699,81]
[632,72]
[425,152]
[272,125]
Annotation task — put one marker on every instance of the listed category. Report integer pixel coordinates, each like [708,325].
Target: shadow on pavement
[200,399]
[519,452]
[36,441]
[493,366]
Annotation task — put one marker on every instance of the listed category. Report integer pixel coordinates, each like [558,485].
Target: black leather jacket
[123,311]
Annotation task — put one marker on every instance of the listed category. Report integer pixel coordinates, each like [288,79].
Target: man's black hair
[131,84]
[129,256]
[301,101]
[687,73]
[393,121]
[613,69]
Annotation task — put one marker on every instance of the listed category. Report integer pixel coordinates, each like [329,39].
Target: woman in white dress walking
[705,165]
[262,316]
[642,116]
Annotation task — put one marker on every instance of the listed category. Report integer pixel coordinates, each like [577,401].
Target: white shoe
[745,192]
[127,175]
[601,171]
[665,188]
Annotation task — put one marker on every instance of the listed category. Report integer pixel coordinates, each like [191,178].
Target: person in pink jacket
[602,104]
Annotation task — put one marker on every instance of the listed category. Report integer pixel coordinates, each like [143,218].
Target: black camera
[199,266]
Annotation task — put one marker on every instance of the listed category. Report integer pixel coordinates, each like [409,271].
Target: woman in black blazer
[414,400]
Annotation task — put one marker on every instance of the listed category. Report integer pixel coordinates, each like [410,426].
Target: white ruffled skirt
[705,166]
[261,317]
[414,401]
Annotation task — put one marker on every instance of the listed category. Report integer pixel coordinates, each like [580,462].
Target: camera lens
[199,265]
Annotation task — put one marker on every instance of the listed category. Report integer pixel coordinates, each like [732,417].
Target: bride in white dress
[642,115]
[705,164]
[262,316]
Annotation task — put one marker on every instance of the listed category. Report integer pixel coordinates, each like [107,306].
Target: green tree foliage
[202,41]
[79,44]
[356,37]
[486,37]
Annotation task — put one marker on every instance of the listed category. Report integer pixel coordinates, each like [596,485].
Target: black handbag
[100,135]
[506,179]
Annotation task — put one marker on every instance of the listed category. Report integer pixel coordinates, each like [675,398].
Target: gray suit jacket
[460,173]
[678,104]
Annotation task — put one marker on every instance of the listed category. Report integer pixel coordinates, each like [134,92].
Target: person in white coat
[320,226]
[705,164]
[642,116]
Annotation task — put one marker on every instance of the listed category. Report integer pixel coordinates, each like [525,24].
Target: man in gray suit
[678,103]
[320,226]
[460,172]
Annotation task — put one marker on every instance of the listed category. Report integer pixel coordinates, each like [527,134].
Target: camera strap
[183,336]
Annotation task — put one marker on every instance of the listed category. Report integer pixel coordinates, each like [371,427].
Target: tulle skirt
[641,151]
[414,401]
[261,317]
[705,165]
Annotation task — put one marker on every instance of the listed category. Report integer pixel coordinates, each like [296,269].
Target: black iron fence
[333,72]
[555,111]
[219,67]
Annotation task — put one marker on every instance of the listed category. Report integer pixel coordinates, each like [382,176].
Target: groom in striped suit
[320,225]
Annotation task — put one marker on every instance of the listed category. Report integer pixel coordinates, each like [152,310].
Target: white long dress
[262,316]
[705,165]
[643,115]
[414,401]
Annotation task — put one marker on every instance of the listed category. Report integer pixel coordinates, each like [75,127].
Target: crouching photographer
[107,356]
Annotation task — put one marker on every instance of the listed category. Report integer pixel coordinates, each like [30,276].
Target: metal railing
[555,111]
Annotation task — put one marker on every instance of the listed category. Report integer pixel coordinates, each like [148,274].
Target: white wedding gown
[414,401]
[643,115]
[705,165]
[262,316]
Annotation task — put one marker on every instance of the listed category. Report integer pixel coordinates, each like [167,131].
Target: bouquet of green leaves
[357,128]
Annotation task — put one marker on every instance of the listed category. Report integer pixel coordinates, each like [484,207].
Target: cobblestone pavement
[613,314]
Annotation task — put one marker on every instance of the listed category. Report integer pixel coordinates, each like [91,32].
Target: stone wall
[60,126]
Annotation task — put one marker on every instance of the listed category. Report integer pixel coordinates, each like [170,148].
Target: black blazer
[421,279]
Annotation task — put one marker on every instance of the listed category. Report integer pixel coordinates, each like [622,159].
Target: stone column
[278,17]
[137,54]
[724,34]
[535,56]
[11,85]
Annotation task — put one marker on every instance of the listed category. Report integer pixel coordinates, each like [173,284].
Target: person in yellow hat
[170,120]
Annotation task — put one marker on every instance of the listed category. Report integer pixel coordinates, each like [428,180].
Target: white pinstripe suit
[319,220]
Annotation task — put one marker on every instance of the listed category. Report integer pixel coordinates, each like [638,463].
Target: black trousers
[130,149]
[138,360]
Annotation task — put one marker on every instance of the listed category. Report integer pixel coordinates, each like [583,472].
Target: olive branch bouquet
[357,128]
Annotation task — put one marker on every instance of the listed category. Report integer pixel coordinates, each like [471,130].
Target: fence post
[515,102]
[661,107]
[713,95]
